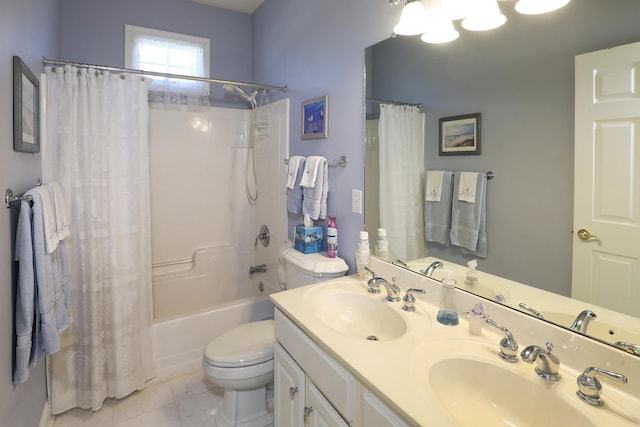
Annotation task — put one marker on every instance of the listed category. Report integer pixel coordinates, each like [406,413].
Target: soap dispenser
[447,313]
[472,275]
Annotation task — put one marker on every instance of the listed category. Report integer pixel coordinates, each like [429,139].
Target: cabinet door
[319,411]
[376,414]
[289,390]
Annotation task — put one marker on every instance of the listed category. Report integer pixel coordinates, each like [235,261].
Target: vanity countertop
[397,370]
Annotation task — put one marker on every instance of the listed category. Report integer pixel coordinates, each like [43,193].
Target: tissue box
[308,240]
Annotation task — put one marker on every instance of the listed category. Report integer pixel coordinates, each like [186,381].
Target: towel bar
[10,198]
[342,162]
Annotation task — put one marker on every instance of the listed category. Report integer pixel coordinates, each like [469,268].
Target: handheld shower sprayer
[229,88]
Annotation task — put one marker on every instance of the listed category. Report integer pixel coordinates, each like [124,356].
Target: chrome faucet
[547,365]
[531,310]
[432,267]
[629,347]
[393,290]
[582,321]
[508,346]
[589,387]
[262,268]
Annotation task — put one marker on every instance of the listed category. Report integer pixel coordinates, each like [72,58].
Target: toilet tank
[300,269]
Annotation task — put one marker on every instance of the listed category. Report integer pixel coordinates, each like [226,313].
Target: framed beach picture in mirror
[26,108]
[315,118]
[460,135]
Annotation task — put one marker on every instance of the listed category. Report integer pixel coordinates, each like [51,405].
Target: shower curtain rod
[386,101]
[46,61]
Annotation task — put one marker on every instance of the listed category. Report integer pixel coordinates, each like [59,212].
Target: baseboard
[46,418]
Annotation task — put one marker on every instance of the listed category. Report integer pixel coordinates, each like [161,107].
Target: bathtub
[179,342]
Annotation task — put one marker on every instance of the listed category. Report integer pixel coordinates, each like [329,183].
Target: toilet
[241,359]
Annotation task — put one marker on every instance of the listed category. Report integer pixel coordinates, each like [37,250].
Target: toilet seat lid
[244,345]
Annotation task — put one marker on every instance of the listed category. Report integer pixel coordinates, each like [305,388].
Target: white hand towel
[314,199]
[49,218]
[294,165]
[437,214]
[433,189]
[62,221]
[310,174]
[467,187]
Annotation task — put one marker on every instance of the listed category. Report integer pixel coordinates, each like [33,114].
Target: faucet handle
[589,387]
[508,345]
[409,301]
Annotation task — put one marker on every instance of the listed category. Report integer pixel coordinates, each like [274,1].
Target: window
[165,52]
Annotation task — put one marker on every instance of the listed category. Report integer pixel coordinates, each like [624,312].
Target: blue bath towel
[468,220]
[25,295]
[48,340]
[294,191]
[437,214]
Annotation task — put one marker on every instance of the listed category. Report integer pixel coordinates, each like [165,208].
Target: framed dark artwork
[315,118]
[26,108]
[460,135]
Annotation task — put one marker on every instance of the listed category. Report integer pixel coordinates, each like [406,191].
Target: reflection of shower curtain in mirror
[96,147]
[401,179]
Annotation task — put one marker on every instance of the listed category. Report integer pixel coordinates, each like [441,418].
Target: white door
[607,183]
[319,411]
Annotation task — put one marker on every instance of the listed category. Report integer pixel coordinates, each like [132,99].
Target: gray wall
[520,78]
[29,29]
[92,31]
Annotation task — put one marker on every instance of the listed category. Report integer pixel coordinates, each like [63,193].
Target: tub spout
[262,268]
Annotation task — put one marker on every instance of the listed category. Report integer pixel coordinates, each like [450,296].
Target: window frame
[131,31]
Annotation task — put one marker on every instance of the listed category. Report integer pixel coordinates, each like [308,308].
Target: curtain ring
[122,76]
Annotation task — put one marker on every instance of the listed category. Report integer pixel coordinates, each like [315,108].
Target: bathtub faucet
[262,268]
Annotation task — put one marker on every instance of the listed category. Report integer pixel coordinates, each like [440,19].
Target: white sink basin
[477,393]
[354,312]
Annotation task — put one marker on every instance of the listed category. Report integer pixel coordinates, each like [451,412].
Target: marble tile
[191,385]
[153,397]
[200,410]
[166,416]
[80,417]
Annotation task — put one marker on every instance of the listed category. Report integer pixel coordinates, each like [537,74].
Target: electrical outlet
[356,201]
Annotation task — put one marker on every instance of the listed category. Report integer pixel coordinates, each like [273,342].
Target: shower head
[229,88]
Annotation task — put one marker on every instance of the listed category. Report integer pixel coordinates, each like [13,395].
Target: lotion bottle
[472,275]
[332,237]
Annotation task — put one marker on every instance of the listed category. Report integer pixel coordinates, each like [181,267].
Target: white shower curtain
[96,147]
[401,140]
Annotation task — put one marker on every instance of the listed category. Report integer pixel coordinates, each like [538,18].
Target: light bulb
[412,20]
[536,7]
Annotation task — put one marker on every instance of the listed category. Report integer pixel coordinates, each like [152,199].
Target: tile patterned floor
[186,401]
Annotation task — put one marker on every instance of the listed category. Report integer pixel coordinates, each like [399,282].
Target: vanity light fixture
[537,7]
[413,19]
[484,15]
[434,18]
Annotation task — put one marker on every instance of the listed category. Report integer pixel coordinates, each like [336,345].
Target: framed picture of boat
[315,118]
[460,135]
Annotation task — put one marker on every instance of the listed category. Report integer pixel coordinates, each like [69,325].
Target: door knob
[586,235]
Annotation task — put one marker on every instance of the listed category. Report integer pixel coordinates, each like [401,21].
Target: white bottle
[476,319]
[363,253]
[472,275]
[382,244]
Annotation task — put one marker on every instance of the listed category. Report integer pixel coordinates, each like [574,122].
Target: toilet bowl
[241,360]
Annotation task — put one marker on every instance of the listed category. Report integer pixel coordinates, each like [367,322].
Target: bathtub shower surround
[204,229]
[96,147]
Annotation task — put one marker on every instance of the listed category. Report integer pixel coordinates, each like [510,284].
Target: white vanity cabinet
[312,389]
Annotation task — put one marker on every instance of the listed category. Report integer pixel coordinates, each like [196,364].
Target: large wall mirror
[520,77]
